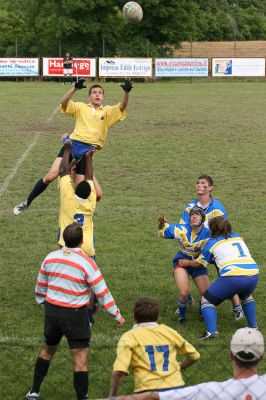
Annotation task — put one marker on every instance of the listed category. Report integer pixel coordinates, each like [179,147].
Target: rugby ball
[132,12]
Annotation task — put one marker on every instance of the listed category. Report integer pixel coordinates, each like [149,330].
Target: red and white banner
[81,67]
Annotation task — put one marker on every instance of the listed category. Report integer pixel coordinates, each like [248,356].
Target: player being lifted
[192,237]
[92,122]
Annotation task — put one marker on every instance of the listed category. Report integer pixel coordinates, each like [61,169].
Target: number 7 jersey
[231,256]
[150,350]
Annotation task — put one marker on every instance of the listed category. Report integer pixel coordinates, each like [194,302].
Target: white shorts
[68,71]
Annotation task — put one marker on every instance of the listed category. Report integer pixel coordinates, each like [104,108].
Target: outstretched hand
[80,84]
[121,322]
[127,85]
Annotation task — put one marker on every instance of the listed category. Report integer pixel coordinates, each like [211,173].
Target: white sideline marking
[9,178]
[52,115]
[34,340]
[14,171]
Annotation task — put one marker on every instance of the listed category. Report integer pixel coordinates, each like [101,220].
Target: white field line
[15,169]
[99,338]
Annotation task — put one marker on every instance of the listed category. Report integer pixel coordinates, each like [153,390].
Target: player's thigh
[181,279]
[202,282]
[53,172]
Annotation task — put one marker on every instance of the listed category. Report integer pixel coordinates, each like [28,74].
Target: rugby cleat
[32,396]
[20,207]
[238,314]
[209,336]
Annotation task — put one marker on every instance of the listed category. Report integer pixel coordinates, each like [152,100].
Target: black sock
[41,369]
[81,384]
[38,189]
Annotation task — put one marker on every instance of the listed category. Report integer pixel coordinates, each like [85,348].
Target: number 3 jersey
[75,209]
[231,256]
[150,350]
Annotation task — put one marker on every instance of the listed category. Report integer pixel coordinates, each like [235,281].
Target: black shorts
[69,322]
[81,165]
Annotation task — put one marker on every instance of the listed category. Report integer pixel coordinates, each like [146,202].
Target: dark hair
[94,87]
[83,190]
[245,364]
[220,227]
[73,235]
[208,178]
[146,309]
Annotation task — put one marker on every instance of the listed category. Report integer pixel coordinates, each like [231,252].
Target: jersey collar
[144,324]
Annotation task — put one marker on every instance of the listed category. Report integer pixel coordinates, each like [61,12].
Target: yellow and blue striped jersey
[191,243]
[231,256]
[150,350]
[214,209]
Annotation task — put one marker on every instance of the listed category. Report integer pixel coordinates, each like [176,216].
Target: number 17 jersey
[150,350]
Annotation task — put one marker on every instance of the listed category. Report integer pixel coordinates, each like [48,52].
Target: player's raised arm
[126,86]
[65,165]
[67,96]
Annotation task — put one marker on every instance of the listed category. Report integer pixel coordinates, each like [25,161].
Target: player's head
[94,88]
[247,347]
[197,216]
[204,184]
[67,54]
[220,227]
[96,95]
[146,309]
[73,235]
[83,190]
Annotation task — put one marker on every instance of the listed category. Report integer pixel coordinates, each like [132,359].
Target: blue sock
[210,316]
[38,189]
[249,308]
[182,306]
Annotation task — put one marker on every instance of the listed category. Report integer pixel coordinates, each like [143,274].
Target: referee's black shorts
[69,322]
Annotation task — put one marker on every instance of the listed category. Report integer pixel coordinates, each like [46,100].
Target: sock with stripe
[209,313]
[182,306]
[249,308]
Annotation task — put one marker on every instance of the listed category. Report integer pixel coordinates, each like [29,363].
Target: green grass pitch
[174,132]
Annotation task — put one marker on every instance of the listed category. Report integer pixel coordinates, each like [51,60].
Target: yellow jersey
[150,350]
[75,209]
[92,125]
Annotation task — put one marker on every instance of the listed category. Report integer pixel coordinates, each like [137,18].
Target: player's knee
[183,294]
[50,177]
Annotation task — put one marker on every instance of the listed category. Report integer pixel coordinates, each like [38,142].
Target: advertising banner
[238,67]
[19,66]
[181,67]
[125,67]
[81,67]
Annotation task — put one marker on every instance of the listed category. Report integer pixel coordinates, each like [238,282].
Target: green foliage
[91,27]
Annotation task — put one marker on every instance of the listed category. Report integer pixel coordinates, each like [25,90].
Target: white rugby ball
[132,12]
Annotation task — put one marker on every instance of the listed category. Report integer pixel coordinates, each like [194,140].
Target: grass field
[173,133]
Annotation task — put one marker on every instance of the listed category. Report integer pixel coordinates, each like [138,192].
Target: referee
[65,282]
